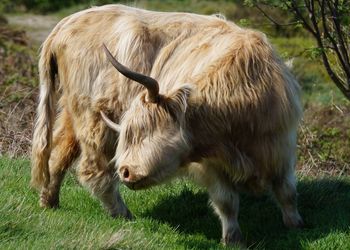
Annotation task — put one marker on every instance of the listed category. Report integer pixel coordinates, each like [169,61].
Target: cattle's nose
[126,174]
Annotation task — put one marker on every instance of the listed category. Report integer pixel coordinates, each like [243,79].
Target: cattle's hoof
[47,200]
[129,215]
[124,214]
[234,238]
[293,221]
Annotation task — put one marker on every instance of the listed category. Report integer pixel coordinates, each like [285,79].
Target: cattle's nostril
[126,173]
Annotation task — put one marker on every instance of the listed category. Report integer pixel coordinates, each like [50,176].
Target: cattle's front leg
[224,199]
[225,202]
[95,174]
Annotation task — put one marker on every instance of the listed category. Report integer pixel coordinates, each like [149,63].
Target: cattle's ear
[177,101]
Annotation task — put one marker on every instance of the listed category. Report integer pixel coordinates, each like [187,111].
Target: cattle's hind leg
[285,193]
[65,150]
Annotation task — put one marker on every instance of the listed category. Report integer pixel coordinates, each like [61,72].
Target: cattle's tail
[42,137]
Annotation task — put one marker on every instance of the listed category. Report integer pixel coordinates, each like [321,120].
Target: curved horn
[109,123]
[150,83]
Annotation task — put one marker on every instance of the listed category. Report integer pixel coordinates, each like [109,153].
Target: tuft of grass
[171,216]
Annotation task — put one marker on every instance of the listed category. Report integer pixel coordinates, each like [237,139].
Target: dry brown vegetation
[324,145]
[18,76]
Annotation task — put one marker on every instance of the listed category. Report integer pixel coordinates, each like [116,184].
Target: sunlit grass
[172,216]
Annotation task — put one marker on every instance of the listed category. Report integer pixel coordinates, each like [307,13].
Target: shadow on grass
[324,205]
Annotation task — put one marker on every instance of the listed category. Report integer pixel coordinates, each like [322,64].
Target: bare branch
[294,7]
[318,36]
[322,19]
[329,36]
[271,19]
[335,18]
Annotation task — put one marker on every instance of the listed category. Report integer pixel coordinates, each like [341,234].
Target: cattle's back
[136,37]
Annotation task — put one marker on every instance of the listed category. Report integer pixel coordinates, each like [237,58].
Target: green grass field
[172,216]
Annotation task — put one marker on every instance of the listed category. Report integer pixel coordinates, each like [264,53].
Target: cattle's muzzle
[132,180]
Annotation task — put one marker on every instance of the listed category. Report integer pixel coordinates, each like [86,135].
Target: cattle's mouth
[140,184]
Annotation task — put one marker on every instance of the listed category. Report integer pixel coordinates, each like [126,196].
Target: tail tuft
[42,137]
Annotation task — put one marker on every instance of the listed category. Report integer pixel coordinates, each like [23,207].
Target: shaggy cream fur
[227,113]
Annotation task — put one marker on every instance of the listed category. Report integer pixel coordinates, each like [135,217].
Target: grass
[171,216]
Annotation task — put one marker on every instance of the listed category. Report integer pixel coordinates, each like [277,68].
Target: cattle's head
[152,136]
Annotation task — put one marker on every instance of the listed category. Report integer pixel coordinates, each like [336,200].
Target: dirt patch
[37,27]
